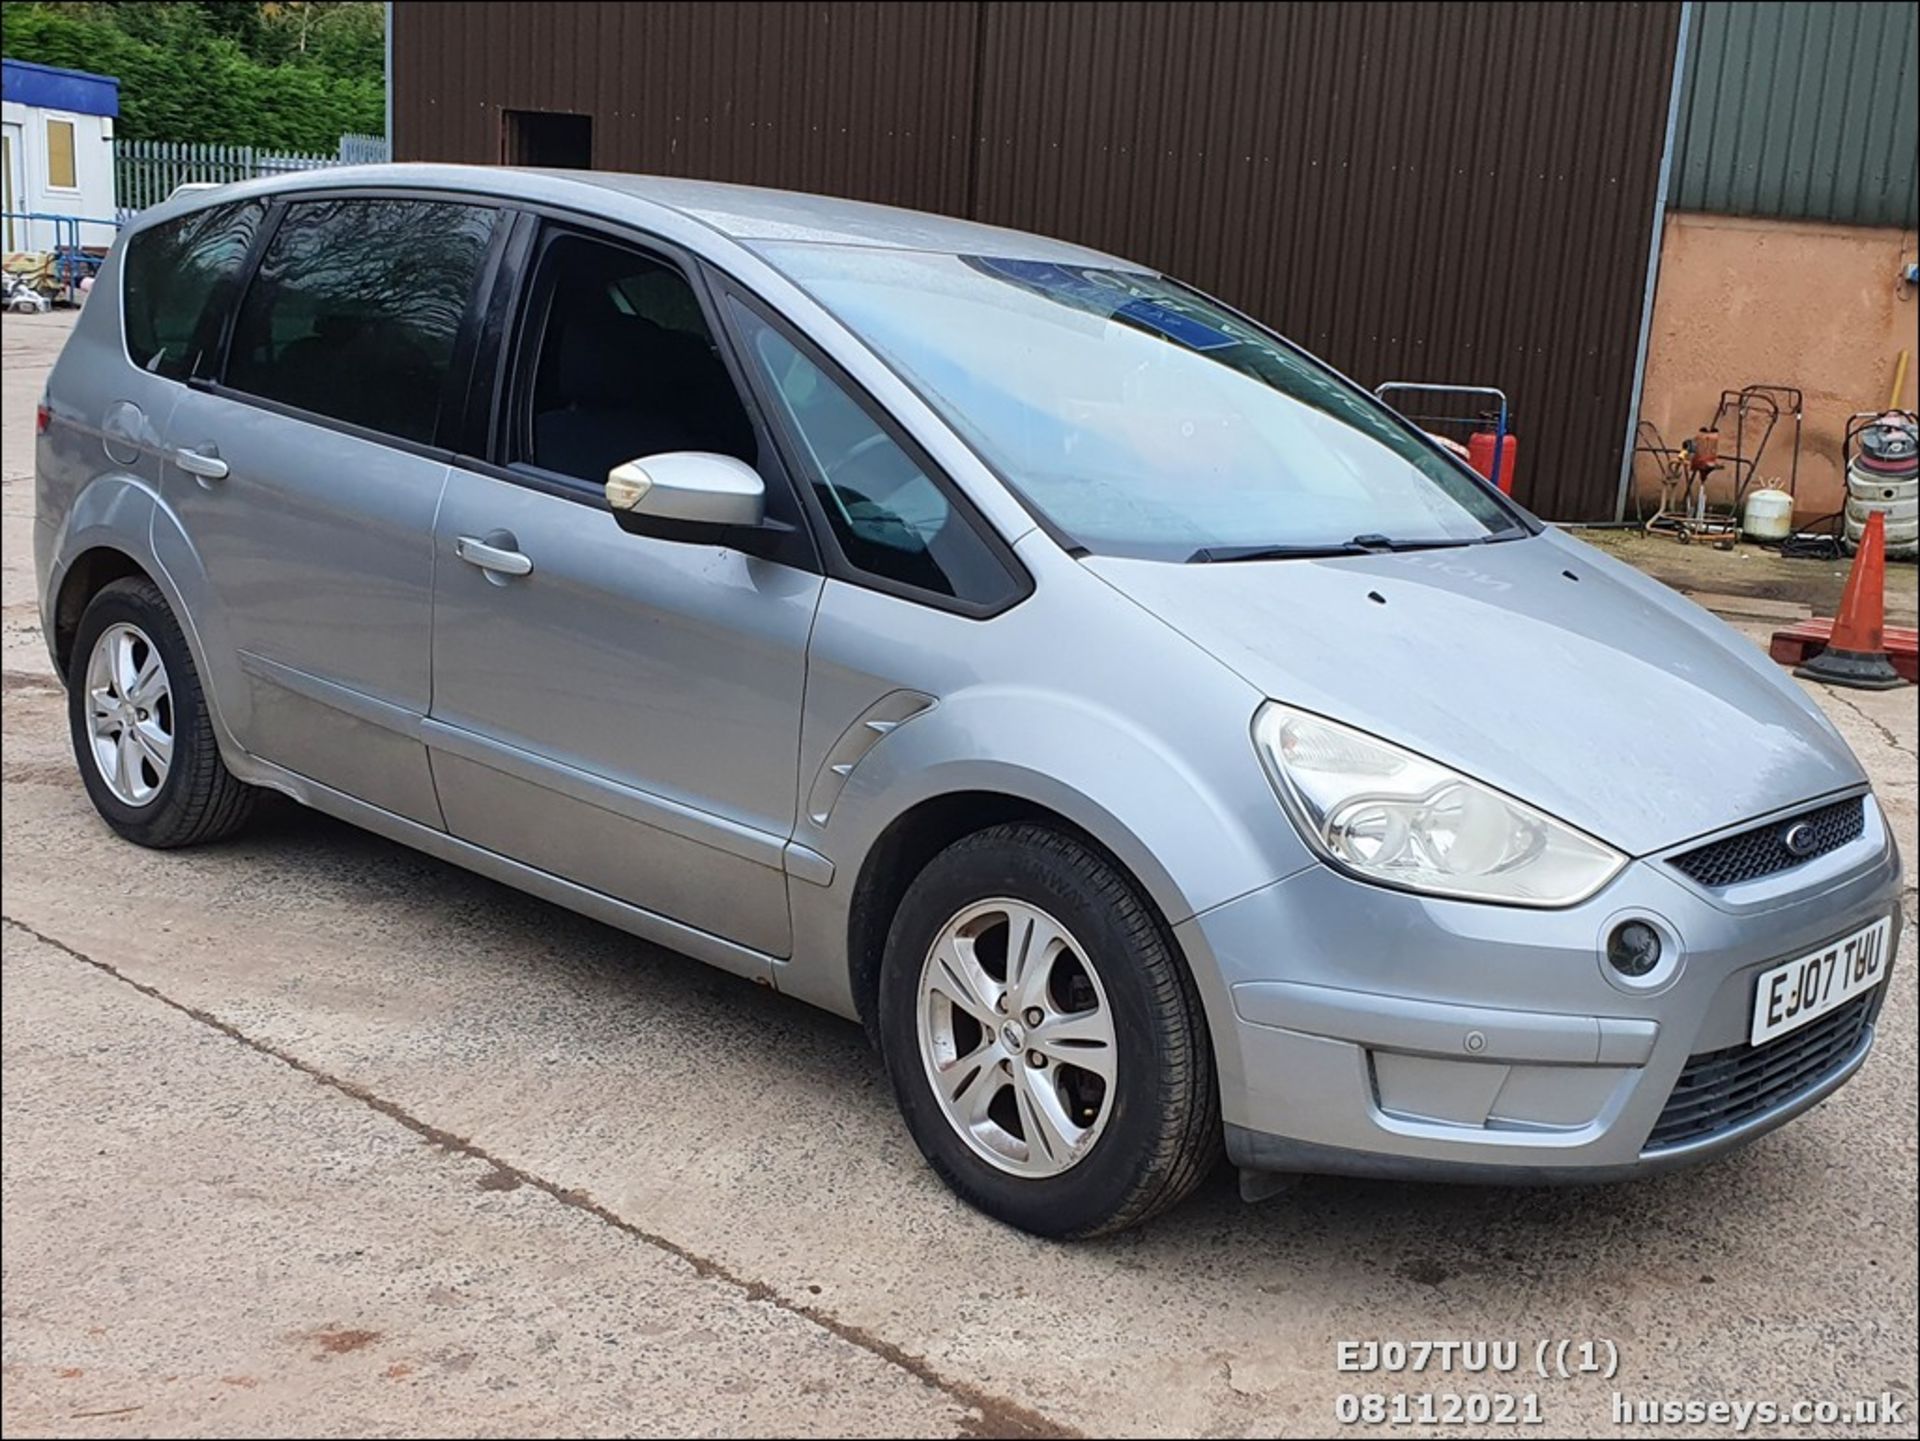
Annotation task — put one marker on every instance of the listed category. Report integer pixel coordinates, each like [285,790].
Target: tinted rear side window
[180,281]
[354,310]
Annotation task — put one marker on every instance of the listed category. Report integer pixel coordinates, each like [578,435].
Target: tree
[287,76]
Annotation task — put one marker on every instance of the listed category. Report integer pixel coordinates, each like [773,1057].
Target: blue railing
[70,261]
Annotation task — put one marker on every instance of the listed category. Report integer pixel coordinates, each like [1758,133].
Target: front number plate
[1793,994]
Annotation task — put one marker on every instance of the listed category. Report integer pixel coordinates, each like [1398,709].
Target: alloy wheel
[1017,1037]
[129,713]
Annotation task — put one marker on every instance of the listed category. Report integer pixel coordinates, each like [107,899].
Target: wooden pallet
[1798,644]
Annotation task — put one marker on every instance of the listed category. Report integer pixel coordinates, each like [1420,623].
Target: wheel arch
[117,527]
[1189,822]
[911,839]
[90,572]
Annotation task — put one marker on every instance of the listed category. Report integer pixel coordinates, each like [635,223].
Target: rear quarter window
[180,280]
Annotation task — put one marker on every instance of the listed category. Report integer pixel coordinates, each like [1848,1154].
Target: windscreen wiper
[1369,544]
[1208,554]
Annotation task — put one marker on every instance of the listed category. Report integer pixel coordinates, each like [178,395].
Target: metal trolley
[1498,471]
[1684,512]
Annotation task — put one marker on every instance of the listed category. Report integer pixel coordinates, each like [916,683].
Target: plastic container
[1903,539]
[1768,515]
[1879,490]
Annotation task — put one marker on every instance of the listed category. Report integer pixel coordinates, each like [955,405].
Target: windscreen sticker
[1192,333]
[1073,286]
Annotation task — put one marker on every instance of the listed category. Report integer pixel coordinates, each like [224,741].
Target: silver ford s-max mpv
[1157,743]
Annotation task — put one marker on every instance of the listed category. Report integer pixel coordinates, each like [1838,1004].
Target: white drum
[1768,514]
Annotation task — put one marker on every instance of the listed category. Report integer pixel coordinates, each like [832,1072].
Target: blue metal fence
[70,262]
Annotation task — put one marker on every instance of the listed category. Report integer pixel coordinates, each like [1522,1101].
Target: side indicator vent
[880,720]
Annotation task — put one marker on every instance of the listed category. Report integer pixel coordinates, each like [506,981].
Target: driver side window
[890,518]
[624,367]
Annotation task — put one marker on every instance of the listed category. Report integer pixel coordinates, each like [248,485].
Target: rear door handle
[491,557]
[200,464]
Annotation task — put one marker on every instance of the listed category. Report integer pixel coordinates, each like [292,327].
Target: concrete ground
[307,1134]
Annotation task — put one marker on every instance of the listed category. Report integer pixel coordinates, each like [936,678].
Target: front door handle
[492,558]
[202,465]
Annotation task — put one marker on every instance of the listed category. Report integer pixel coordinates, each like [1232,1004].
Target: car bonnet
[1539,666]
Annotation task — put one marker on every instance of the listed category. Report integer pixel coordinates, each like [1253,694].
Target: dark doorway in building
[551,139]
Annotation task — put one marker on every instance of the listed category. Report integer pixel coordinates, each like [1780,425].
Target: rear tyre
[1044,1040]
[142,734]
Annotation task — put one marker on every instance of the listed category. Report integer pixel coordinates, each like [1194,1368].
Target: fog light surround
[1639,952]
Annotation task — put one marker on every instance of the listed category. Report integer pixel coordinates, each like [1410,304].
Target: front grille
[1720,1089]
[1763,851]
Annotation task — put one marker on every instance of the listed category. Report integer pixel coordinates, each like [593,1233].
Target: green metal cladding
[1800,111]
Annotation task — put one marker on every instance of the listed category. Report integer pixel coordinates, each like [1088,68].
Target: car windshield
[1143,419]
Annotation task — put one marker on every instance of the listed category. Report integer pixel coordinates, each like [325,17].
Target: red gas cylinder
[1480,456]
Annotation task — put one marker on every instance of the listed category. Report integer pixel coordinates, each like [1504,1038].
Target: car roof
[755,216]
[757,219]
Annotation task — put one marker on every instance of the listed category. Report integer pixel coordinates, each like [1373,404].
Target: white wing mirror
[690,487]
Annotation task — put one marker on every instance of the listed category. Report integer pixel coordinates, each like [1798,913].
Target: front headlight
[1391,816]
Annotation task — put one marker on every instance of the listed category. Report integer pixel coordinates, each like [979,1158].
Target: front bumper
[1367,1031]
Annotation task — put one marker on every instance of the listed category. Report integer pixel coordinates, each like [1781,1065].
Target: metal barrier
[146,172]
[70,261]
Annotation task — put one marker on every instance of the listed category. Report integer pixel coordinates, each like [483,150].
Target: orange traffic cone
[1857,654]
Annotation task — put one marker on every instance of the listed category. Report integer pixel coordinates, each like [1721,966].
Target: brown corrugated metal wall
[868,100]
[1440,192]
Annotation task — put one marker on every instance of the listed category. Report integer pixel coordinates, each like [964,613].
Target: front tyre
[1045,1042]
[141,731]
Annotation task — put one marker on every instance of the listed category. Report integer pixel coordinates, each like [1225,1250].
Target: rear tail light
[42,414]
